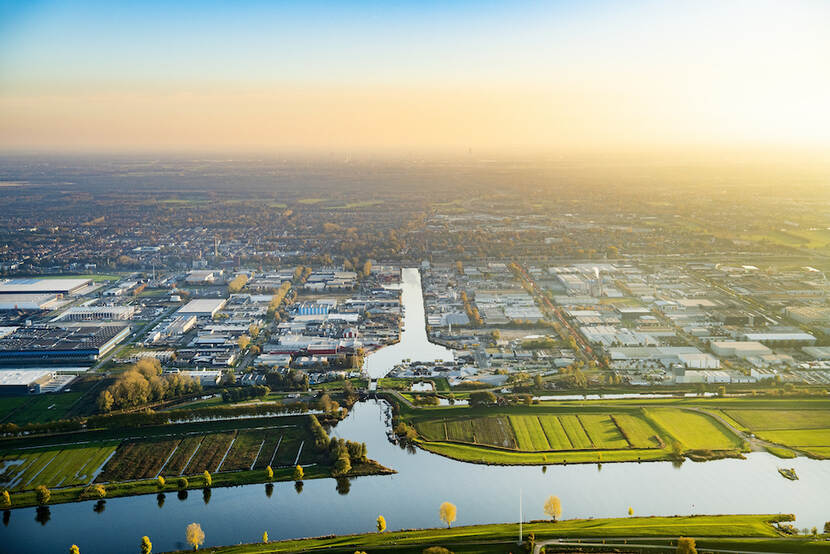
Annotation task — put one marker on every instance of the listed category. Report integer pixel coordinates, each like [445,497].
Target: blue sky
[522,75]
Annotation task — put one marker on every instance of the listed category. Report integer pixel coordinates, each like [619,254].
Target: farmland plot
[210,453]
[243,452]
[602,431]
[137,460]
[555,433]
[529,433]
[576,433]
[494,431]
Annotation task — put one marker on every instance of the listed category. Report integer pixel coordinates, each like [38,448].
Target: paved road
[631,543]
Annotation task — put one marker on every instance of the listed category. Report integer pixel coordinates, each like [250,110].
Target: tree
[447,513]
[244,341]
[265,536]
[208,479]
[436,550]
[146,545]
[269,473]
[381,524]
[237,283]
[827,527]
[630,511]
[482,398]
[686,545]
[161,482]
[74,549]
[343,465]
[553,507]
[105,401]
[298,473]
[43,495]
[183,483]
[195,535]
[6,500]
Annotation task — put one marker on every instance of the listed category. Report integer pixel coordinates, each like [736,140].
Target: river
[483,494]
[414,344]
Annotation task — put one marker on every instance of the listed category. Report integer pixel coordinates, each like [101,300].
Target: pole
[520,516]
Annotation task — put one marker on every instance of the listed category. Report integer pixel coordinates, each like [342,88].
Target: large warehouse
[43,345]
[43,286]
[28,302]
[22,381]
[202,307]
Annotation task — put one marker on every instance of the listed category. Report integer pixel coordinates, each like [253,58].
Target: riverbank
[500,537]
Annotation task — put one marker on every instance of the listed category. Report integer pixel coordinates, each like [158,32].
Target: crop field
[555,433]
[54,467]
[637,431]
[494,431]
[433,430]
[269,446]
[602,431]
[137,460]
[460,430]
[800,437]
[529,433]
[695,431]
[292,441]
[244,451]
[773,420]
[577,435]
[546,432]
[178,461]
[210,453]
[806,430]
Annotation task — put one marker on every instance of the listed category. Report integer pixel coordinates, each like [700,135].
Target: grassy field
[54,467]
[805,430]
[696,431]
[38,408]
[502,537]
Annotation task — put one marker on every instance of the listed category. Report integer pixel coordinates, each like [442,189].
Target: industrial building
[28,301]
[739,349]
[44,286]
[60,345]
[21,381]
[90,313]
[202,307]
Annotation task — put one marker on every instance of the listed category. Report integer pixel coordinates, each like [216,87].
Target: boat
[788,473]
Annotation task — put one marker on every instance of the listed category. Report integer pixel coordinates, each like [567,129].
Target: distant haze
[367,77]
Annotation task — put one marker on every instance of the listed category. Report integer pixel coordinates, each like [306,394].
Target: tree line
[142,383]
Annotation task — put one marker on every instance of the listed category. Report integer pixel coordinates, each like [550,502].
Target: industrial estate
[212,357]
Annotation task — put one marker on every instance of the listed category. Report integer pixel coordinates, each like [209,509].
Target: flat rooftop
[56,286]
[18,377]
[202,305]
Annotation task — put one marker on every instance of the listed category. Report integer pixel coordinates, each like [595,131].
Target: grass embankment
[497,537]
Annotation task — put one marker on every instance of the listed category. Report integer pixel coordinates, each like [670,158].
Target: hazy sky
[417,75]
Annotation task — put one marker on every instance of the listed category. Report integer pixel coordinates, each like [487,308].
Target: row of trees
[278,298]
[143,383]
